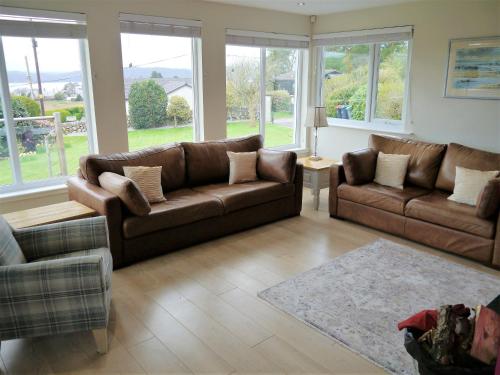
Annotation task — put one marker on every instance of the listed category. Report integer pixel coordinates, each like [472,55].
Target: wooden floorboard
[196,310]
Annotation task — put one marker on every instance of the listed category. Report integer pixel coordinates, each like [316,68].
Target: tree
[242,84]
[155,74]
[178,110]
[147,105]
[69,89]
[59,95]
[278,61]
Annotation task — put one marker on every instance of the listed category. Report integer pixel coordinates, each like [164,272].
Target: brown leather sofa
[420,212]
[200,204]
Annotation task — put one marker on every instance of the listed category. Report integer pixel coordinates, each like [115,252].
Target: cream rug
[359,297]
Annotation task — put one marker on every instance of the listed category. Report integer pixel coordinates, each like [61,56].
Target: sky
[62,55]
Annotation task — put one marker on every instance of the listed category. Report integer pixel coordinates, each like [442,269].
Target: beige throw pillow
[149,181]
[242,167]
[469,183]
[391,170]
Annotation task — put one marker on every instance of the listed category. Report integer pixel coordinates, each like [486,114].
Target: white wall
[435,118]
[106,61]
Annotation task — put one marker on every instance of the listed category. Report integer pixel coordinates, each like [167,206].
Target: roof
[169,84]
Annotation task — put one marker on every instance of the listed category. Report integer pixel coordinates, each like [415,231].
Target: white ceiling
[312,7]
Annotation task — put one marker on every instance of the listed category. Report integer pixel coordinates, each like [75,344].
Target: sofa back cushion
[10,252]
[207,162]
[466,157]
[169,157]
[425,158]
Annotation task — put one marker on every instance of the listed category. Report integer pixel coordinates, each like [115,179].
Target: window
[363,78]
[264,86]
[46,112]
[160,73]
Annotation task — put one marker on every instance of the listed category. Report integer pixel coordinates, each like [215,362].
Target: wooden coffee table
[316,176]
[53,213]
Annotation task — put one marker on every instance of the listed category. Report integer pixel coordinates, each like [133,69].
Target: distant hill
[16,76]
[142,72]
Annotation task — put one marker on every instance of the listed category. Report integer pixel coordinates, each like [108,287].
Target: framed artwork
[474,68]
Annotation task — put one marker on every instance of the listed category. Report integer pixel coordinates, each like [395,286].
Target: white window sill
[32,193]
[371,126]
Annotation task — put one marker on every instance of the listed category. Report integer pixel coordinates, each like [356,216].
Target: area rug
[359,297]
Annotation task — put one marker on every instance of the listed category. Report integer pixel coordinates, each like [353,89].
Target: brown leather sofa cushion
[128,192]
[169,157]
[207,162]
[467,157]
[181,207]
[381,197]
[437,209]
[488,201]
[424,161]
[359,166]
[278,166]
[238,196]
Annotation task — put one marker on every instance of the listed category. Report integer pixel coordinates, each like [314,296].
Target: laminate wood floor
[196,310]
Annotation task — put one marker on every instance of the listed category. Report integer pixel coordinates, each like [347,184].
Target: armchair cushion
[10,252]
[359,166]
[65,237]
[277,166]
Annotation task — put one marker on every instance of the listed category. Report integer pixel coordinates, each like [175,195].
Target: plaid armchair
[55,279]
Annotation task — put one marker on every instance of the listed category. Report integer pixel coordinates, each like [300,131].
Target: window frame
[184,26]
[371,122]
[299,81]
[18,185]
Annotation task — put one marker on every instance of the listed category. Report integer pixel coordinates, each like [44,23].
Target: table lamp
[316,118]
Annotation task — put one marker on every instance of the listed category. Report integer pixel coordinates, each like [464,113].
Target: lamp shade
[316,117]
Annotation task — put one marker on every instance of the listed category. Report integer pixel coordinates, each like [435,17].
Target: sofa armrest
[496,246]
[60,238]
[47,297]
[278,166]
[106,204]
[359,166]
[337,177]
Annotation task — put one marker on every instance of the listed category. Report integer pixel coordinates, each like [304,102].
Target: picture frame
[473,70]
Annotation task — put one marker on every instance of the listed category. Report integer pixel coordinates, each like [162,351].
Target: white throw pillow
[242,167]
[469,183]
[391,170]
[148,179]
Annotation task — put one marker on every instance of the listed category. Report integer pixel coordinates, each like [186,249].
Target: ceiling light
[301,3]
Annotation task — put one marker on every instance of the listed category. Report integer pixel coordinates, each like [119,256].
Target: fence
[27,134]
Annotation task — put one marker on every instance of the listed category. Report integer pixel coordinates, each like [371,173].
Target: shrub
[147,105]
[31,105]
[178,110]
[281,100]
[64,113]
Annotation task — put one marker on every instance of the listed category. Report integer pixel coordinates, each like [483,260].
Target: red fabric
[424,321]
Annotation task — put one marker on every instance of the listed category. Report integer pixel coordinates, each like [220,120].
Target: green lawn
[35,167]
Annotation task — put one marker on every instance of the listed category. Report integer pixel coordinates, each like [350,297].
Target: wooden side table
[316,176]
[53,213]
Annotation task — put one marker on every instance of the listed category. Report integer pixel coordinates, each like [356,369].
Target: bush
[178,110]
[147,105]
[64,113]
[31,105]
[281,100]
